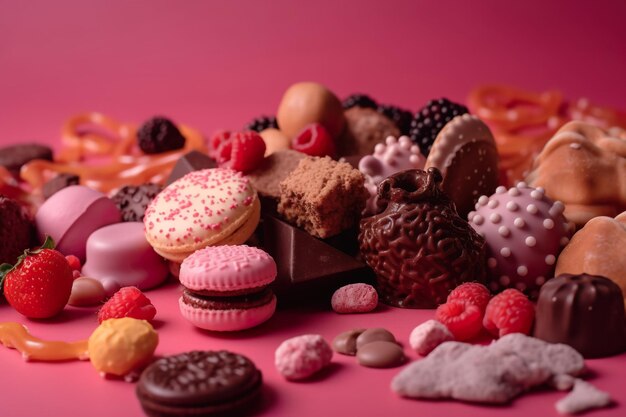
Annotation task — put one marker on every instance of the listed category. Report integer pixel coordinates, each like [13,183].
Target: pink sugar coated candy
[494,374]
[582,398]
[393,156]
[525,232]
[354,298]
[428,335]
[302,356]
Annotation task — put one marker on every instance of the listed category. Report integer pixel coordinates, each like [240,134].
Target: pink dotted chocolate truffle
[393,156]
[525,231]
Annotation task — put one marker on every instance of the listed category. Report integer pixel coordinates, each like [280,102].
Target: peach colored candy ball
[86,292]
[307,102]
[354,298]
[275,140]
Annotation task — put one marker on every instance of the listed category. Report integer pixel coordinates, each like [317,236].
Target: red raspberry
[220,146]
[127,302]
[461,318]
[74,262]
[314,140]
[247,152]
[509,312]
[472,292]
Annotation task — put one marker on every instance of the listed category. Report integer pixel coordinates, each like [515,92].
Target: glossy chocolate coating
[191,161]
[381,354]
[306,264]
[345,343]
[583,311]
[376,334]
[418,245]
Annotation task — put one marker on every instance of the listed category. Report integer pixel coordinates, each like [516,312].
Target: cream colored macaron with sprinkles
[204,208]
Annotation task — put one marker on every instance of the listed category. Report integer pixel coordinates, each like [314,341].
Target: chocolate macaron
[199,383]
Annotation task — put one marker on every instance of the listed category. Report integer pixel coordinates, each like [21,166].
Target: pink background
[218,64]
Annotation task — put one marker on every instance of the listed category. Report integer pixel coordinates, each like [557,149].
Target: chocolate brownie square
[323,196]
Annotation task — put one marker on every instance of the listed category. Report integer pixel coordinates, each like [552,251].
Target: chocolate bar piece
[306,265]
[191,161]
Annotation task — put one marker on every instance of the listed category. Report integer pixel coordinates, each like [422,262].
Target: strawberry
[127,302]
[40,284]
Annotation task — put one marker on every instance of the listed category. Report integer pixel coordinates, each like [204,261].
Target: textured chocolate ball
[583,311]
[132,200]
[307,102]
[418,245]
[16,230]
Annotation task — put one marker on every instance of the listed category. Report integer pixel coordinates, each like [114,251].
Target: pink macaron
[226,287]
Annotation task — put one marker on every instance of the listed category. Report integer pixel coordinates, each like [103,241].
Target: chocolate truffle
[323,196]
[307,102]
[418,245]
[583,311]
[364,129]
[16,230]
[133,200]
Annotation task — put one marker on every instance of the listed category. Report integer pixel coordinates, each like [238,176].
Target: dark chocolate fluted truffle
[583,311]
[417,244]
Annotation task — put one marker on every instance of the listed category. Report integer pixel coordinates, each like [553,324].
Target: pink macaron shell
[227,320]
[72,214]
[227,268]
[119,255]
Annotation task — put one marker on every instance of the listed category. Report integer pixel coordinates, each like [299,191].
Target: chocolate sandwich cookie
[199,383]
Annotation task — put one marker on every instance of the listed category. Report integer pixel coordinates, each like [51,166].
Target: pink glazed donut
[226,287]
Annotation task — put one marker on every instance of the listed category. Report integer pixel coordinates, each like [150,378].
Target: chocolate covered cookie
[418,245]
[12,157]
[199,383]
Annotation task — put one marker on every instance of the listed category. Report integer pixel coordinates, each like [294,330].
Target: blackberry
[158,135]
[261,123]
[401,117]
[359,100]
[132,200]
[430,119]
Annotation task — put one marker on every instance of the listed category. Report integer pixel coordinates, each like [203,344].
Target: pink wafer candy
[525,232]
[393,156]
[428,335]
[354,298]
[302,356]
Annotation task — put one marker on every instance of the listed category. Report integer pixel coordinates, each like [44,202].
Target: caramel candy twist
[16,336]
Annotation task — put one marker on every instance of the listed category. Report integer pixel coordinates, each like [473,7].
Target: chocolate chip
[345,343]
[380,354]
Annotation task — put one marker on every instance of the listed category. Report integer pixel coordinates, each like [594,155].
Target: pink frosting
[72,214]
[525,232]
[227,268]
[119,255]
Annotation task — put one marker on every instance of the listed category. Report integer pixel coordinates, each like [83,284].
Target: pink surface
[214,65]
